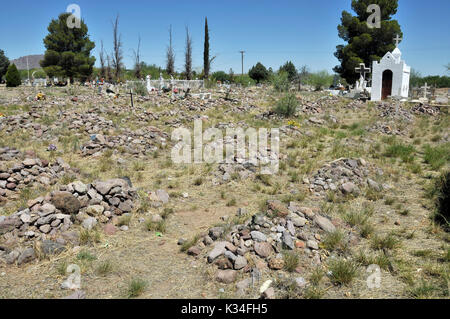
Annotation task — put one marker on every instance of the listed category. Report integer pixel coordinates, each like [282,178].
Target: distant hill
[33,61]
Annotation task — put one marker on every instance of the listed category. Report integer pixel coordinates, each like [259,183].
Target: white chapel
[390,76]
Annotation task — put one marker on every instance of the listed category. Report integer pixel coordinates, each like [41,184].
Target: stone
[79,187]
[156,218]
[300,282]
[124,228]
[243,285]
[287,240]
[240,262]
[300,244]
[79,294]
[218,250]
[8,224]
[105,187]
[126,206]
[263,249]
[194,251]
[26,256]
[226,276]
[312,244]
[269,293]
[230,255]
[258,236]
[25,218]
[223,263]
[110,229]
[12,257]
[374,185]
[47,209]
[348,188]
[278,208]
[29,162]
[163,196]
[89,223]
[207,240]
[95,210]
[216,232]
[45,228]
[276,263]
[324,223]
[50,247]
[66,202]
[298,221]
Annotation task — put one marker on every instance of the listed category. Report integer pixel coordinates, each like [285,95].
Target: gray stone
[66,202]
[216,232]
[324,223]
[89,223]
[349,188]
[12,257]
[263,249]
[26,256]
[45,228]
[312,244]
[218,250]
[300,282]
[287,240]
[258,236]
[240,262]
[230,255]
[50,247]
[79,187]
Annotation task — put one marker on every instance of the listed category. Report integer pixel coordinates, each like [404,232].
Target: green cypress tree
[365,44]
[12,76]
[206,61]
[4,63]
[68,50]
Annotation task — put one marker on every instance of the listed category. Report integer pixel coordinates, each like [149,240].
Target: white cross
[397,39]
[425,87]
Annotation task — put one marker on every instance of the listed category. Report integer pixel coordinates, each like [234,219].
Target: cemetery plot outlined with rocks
[87,182]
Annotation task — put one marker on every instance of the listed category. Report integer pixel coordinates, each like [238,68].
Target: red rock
[194,251]
[110,229]
[300,244]
[263,249]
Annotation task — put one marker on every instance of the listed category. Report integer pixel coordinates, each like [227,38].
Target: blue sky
[272,32]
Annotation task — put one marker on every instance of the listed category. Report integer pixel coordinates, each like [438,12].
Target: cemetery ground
[354,179]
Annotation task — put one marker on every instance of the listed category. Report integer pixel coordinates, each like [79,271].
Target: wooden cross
[397,39]
[362,70]
[131,95]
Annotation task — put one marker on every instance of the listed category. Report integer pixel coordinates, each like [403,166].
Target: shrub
[342,271]
[280,81]
[136,288]
[287,105]
[291,260]
[12,76]
[437,156]
[441,191]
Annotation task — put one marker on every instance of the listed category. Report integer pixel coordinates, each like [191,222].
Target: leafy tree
[287,105]
[68,50]
[258,73]
[280,81]
[4,63]
[220,76]
[289,67]
[12,76]
[321,79]
[365,44]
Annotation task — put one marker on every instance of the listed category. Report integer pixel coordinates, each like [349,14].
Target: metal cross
[397,39]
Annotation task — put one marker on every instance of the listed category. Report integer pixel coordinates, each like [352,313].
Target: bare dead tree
[117,55]
[170,55]
[108,68]
[137,60]
[188,56]
[102,61]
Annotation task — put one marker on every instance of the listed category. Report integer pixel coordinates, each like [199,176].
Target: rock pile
[393,110]
[46,217]
[260,241]
[8,154]
[136,142]
[28,172]
[344,174]
[425,109]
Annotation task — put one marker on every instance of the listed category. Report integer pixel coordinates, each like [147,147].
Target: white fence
[181,84]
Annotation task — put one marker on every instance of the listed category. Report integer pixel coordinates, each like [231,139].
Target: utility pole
[28,69]
[242,55]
